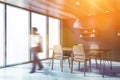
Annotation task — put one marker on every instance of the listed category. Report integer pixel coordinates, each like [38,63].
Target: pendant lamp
[77,24]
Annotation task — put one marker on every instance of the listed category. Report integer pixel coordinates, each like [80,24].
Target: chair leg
[85,68]
[108,59]
[110,64]
[52,63]
[96,63]
[100,61]
[62,65]
[69,62]
[90,65]
[71,66]
[78,65]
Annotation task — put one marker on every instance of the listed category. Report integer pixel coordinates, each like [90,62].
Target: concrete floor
[21,72]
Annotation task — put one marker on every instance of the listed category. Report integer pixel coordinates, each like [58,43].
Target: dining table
[104,55]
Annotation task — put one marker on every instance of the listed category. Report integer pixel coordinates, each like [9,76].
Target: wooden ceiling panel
[68,9]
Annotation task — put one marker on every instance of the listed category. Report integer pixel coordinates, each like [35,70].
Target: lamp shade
[77,23]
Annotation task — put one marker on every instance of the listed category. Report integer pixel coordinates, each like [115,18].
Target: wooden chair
[79,55]
[59,55]
[95,54]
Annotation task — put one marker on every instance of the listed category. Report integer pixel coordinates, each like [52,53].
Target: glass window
[54,33]
[17,35]
[2,29]
[39,21]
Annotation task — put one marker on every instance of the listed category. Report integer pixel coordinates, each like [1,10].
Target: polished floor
[21,72]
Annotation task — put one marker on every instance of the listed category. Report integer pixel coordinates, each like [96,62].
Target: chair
[59,55]
[79,55]
[95,54]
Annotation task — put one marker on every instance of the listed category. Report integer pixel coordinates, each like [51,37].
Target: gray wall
[105,30]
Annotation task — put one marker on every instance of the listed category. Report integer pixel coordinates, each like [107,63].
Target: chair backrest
[94,46]
[57,50]
[81,48]
[78,51]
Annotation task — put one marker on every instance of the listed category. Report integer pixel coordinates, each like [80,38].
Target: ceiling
[71,9]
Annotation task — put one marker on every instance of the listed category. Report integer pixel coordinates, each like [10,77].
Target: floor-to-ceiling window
[39,21]
[54,33]
[17,30]
[2,31]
